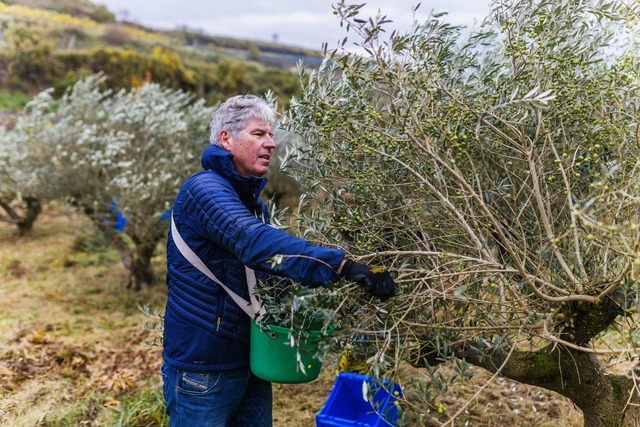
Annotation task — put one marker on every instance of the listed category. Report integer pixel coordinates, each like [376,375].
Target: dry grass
[71,343]
[73,350]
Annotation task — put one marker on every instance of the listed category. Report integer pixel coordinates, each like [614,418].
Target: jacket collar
[220,161]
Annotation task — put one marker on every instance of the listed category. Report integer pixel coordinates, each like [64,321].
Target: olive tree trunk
[605,400]
[136,258]
[32,209]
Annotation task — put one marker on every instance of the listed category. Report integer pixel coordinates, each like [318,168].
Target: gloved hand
[378,282]
[353,360]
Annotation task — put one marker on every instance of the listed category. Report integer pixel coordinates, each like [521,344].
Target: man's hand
[377,281]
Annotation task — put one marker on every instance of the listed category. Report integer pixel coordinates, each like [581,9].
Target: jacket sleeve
[228,222]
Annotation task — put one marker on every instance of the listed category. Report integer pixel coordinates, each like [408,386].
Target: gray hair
[235,113]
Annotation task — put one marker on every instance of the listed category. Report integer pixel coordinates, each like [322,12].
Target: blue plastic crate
[346,405]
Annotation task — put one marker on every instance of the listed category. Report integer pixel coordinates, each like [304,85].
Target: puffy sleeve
[219,212]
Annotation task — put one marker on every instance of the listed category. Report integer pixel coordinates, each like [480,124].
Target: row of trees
[104,152]
[498,174]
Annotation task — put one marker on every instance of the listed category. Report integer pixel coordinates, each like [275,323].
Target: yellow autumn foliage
[50,19]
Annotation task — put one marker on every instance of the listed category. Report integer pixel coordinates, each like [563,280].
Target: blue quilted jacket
[220,216]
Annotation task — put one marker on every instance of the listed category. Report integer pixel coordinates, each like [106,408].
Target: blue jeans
[235,398]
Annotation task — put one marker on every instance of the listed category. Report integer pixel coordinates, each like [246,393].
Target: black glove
[377,283]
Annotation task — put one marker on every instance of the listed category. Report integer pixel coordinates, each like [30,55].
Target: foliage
[29,55]
[214,82]
[282,190]
[20,192]
[289,304]
[77,8]
[146,408]
[107,152]
[495,174]
[13,101]
[122,67]
[137,146]
[29,14]
[90,241]
[52,20]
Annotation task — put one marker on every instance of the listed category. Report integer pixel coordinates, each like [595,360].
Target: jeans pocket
[197,383]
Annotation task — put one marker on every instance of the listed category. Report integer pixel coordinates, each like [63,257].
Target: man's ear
[225,139]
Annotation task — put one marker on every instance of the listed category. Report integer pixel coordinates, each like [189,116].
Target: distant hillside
[272,54]
[53,43]
[78,8]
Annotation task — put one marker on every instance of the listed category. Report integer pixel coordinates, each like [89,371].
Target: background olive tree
[20,195]
[498,175]
[126,152]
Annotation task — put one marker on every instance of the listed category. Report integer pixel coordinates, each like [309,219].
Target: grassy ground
[74,351]
[13,101]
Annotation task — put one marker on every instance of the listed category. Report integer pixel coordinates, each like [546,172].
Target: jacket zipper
[218,324]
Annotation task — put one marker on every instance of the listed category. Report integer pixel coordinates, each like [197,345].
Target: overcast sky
[303,23]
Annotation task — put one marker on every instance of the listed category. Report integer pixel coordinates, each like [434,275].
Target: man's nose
[269,142]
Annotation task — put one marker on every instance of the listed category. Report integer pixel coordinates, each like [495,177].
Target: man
[219,215]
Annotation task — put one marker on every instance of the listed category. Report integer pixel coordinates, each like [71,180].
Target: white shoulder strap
[253,308]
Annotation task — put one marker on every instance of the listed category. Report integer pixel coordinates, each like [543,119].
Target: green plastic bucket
[273,358]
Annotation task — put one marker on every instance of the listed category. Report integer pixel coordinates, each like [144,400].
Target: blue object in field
[347,405]
[121,220]
[165,216]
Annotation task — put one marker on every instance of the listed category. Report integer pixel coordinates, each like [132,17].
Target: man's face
[252,148]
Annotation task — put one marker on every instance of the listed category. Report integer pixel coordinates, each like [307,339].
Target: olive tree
[124,153]
[20,194]
[497,173]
